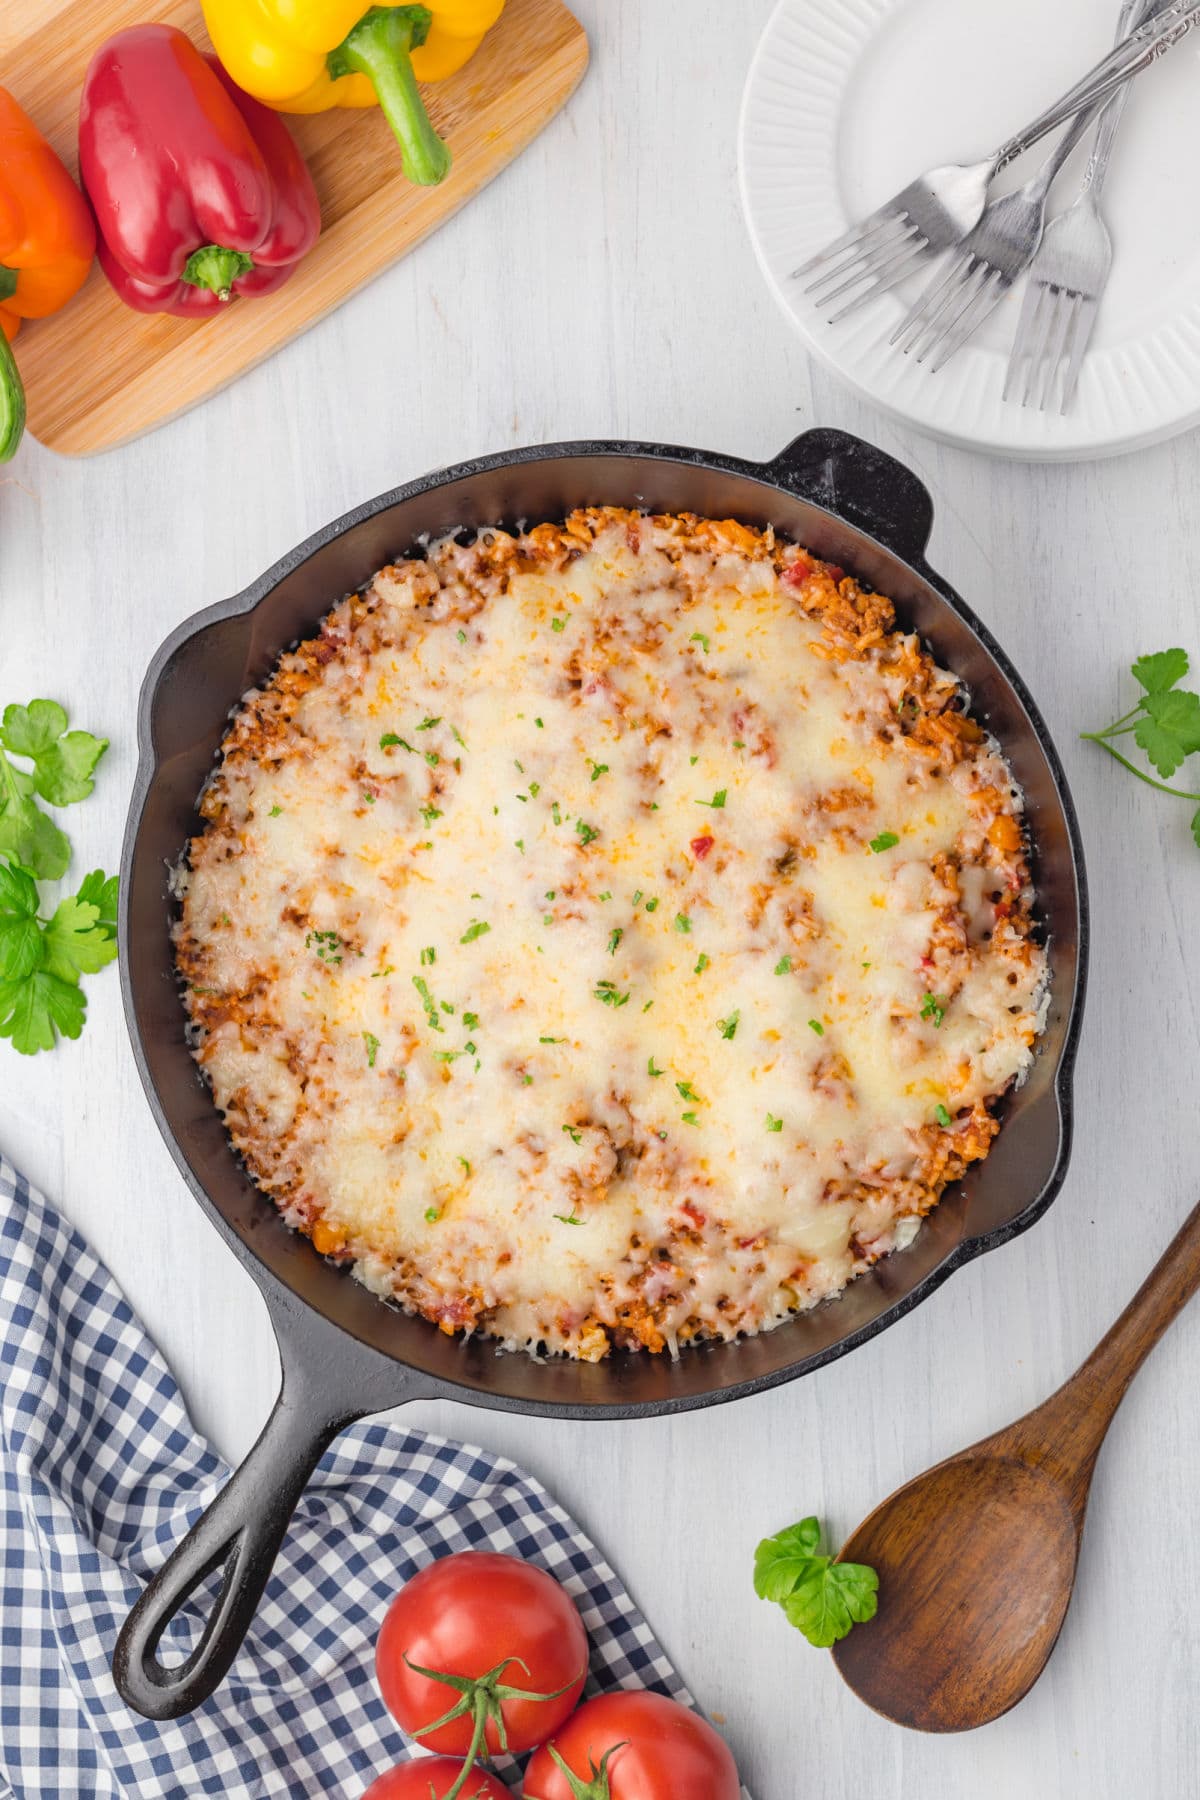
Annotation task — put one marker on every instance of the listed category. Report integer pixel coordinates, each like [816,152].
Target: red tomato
[655,1750]
[507,1626]
[431,1777]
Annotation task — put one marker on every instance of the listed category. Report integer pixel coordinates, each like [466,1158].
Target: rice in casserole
[612,935]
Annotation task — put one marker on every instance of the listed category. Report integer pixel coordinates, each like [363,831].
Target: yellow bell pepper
[308,55]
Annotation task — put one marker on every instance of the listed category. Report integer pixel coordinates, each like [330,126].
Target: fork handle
[1110,117]
[1128,59]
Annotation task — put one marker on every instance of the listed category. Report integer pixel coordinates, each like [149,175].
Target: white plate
[847,100]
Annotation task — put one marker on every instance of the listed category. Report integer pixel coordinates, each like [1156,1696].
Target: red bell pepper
[198,190]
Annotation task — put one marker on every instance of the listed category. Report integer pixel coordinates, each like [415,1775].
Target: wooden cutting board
[97,373]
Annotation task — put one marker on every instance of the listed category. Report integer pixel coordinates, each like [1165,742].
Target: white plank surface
[604,285]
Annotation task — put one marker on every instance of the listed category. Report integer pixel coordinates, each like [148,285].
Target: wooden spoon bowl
[976,1558]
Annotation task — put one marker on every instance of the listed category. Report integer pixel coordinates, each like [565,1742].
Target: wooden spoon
[976,1558]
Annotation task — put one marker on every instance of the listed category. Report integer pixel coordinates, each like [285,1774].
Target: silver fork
[939,208]
[1070,272]
[955,303]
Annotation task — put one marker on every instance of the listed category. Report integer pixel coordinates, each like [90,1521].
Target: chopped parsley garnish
[368,799]
[518,766]
[466,1165]
[520,845]
[458,737]
[470,1020]
[575,1135]
[816,1025]
[448,1006]
[699,637]
[555,814]
[432,758]
[614,939]
[739,743]
[607,992]
[558,624]
[702,962]
[933,1008]
[389,738]
[327,945]
[430,813]
[586,832]
[686,1091]
[693,760]
[461,635]
[637,898]
[652,906]
[274,812]
[651,1070]
[682,922]
[539,725]
[372,1043]
[606,895]
[728,1027]
[774,1124]
[598,769]
[552,1040]
[887,840]
[568,1219]
[432,1215]
[474,931]
[535,788]
[428,1002]
[428,956]
[689,1118]
[717,801]
[942,1116]
[380,973]
[428,724]
[783,966]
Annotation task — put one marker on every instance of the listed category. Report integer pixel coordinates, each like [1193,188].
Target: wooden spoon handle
[1069,1429]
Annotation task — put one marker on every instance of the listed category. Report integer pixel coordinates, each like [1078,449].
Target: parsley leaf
[718,800]
[933,1008]
[63,761]
[1160,670]
[822,1598]
[728,1027]
[474,931]
[41,961]
[774,1124]
[372,1043]
[887,840]
[942,1116]
[783,966]
[1170,732]
[1165,723]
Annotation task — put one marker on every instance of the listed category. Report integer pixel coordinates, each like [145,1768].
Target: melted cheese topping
[617,934]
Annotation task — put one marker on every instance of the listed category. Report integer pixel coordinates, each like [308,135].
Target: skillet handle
[240,1534]
[860,484]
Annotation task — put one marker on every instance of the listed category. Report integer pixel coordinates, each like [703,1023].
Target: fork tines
[880,251]
[1048,351]
[946,315]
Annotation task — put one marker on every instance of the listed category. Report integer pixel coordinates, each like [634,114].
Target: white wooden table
[605,285]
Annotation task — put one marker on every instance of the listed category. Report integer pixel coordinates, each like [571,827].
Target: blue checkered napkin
[101,1473]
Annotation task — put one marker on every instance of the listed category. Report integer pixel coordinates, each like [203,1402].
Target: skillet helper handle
[1071,1425]
[240,1534]
[860,484]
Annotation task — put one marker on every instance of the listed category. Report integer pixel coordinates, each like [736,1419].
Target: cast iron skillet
[345,1353]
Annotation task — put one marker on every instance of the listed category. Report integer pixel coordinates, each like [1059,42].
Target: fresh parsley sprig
[63,765]
[822,1598]
[41,960]
[1165,724]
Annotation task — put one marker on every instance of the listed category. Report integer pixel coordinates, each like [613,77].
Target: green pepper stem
[8,282]
[12,402]
[216,268]
[379,47]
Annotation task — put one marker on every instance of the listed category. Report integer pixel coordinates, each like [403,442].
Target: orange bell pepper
[47,242]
